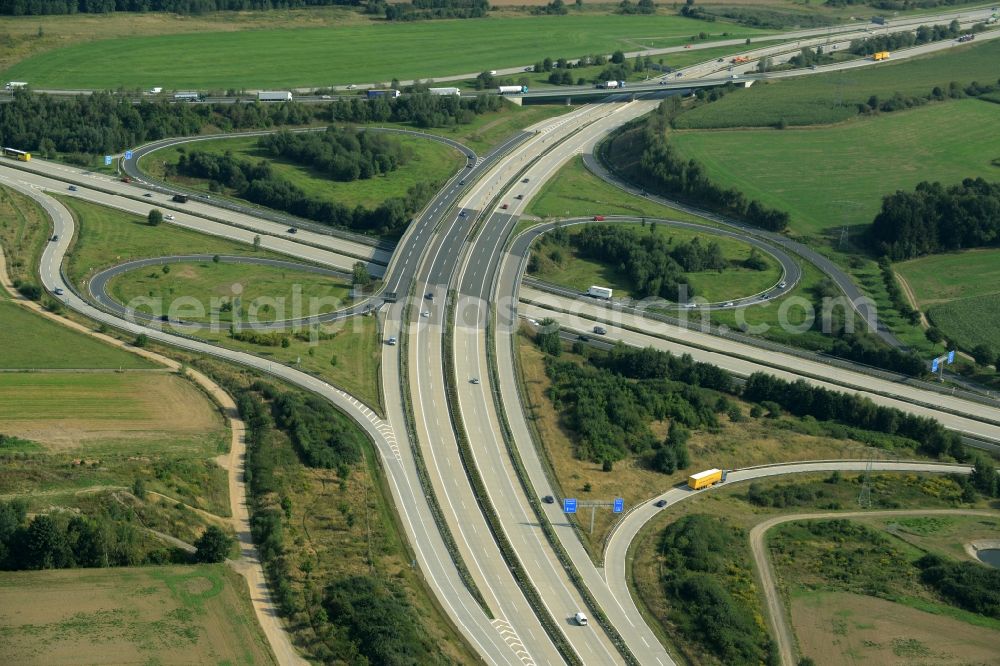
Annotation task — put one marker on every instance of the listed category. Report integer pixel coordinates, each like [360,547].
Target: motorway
[456,249]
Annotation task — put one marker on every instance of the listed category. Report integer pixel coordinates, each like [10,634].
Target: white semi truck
[512,90]
[610,85]
[600,292]
[444,91]
[274,96]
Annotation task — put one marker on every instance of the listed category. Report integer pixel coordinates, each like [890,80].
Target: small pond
[990,556]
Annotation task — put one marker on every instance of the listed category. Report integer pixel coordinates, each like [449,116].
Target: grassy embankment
[576,272]
[800,494]
[322,56]
[192,614]
[349,359]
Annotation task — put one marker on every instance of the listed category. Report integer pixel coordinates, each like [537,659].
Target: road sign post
[937,364]
[619,505]
[128,154]
[569,505]
[107,160]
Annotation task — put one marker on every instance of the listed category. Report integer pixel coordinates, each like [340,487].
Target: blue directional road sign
[107,160]
[569,505]
[128,154]
[951,356]
[934,365]
[619,505]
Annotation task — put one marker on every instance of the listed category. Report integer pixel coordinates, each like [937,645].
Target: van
[581,619]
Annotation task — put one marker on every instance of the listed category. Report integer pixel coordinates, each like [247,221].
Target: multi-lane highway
[462,390]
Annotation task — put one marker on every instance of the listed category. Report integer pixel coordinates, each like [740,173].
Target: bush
[213,545]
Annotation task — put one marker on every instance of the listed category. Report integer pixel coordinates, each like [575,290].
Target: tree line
[422,10]
[900,40]
[898,5]
[64,540]
[803,399]
[342,154]
[257,182]
[355,619]
[103,123]
[43,7]
[661,169]
[934,218]
[968,585]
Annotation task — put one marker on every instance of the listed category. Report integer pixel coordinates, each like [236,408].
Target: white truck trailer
[599,292]
[444,91]
[274,96]
[512,90]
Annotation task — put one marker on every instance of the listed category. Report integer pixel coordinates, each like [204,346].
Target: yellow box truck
[881,55]
[704,479]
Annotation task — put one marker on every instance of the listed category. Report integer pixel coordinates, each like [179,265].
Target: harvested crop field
[838,628]
[151,615]
[146,410]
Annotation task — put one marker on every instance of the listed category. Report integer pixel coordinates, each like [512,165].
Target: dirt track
[782,633]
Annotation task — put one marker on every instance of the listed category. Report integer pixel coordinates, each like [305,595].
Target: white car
[425,313]
[57,291]
[581,619]
[475,380]
[168,217]
[729,304]
[782,285]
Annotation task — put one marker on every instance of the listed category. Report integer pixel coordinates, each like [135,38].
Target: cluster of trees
[42,7]
[257,182]
[662,169]
[103,123]
[803,399]
[422,10]
[65,540]
[655,265]
[610,403]
[809,56]
[707,564]
[969,585]
[934,218]
[321,435]
[897,5]
[343,154]
[553,8]
[379,622]
[866,348]
[640,7]
[900,40]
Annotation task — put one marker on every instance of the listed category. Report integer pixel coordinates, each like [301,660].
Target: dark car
[549,499]
[429,296]
[293,230]
[583,338]
[661,503]
[599,330]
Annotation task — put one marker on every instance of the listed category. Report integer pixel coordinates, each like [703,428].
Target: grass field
[843,629]
[349,360]
[576,192]
[275,287]
[358,52]
[941,278]
[830,98]
[735,282]
[830,177]
[104,413]
[969,321]
[429,161]
[153,615]
[106,237]
[27,341]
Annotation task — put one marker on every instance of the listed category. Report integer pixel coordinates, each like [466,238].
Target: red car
[598,218]
[503,207]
